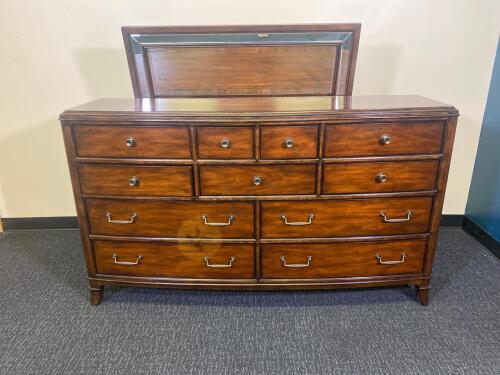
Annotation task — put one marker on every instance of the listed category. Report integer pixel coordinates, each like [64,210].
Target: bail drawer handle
[229,221]
[231,261]
[110,219]
[307,264]
[380,261]
[408,217]
[297,223]
[137,260]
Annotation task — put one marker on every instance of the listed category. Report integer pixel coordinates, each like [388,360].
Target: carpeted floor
[47,325]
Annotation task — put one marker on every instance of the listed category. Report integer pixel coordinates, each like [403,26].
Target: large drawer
[136,180]
[182,260]
[138,218]
[225,142]
[133,142]
[383,139]
[341,259]
[258,179]
[288,142]
[344,218]
[379,177]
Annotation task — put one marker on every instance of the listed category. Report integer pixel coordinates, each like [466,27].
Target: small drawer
[344,218]
[225,143]
[289,142]
[257,179]
[134,181]
[383,139]
[342,259]
[381,177]
[175,260]
[182,219]
[133,142]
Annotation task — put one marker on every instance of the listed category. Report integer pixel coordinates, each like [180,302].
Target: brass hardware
[257,180]
[134,181]
[288,143]
[308,222]
[131,142]
[137,261]
[307,264]
[229,221]
[380,261]
[110,219]
[384,139]
[207,262]
[381,177]
[225,143]
[263,35]
[409,214]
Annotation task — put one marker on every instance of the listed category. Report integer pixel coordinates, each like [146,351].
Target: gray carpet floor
[47,325]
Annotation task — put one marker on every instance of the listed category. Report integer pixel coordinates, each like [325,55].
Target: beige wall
[56,54]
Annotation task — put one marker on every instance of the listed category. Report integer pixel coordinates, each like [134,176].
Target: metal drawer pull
[225,143]
[409,214]
[137,261]
[309,259]
[131,142]
[381,177]
[231,261]
[308,222]
[257,180]
[229,221]
[384,139]
[110,219]
[134,181]
[288,143]
[380,261]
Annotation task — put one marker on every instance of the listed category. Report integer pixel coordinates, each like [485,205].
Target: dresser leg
[96,294]
[423,294]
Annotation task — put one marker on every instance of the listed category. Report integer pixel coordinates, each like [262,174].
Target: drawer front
[289,142]
[379,177]
[341,259]
[189,260]
[383,139]
[344,218]
[128,180]
[171,218]
[225,143]
[257,179]
[133,142]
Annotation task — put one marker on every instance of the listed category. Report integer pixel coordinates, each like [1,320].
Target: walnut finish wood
[240,180]
[367,177]
[289,142]
[171,218]
[239,143]
[344,218]
[152,181]
[175,260]
[341,259]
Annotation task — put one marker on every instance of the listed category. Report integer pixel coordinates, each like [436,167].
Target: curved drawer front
[379,177]
[342,259]
[133,142]
[176,260]
[171,218]
[225,142]
[257,179]
[134,181]
[289,142]
[344,218]
[383,139]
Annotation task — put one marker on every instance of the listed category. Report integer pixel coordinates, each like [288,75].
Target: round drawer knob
[225,143]
[384,139]
[381,177]
[288,143]
[257,180]
[131,142]
[134,181]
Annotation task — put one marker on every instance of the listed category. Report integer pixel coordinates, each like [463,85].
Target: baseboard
[482,236]
[452,221]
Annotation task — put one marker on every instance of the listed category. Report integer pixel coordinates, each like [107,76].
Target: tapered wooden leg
[96,294]
[423,294]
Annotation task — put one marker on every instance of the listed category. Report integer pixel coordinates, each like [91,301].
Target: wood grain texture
[241,143]
[340,259]
[153,181]
[304,142]
[362,177]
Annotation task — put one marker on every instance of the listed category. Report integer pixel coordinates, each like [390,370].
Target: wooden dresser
[261,182]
